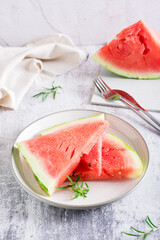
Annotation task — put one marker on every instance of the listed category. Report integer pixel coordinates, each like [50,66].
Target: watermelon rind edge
[71,123]
[41,184]
[27,156]
[123,73]
[132,151]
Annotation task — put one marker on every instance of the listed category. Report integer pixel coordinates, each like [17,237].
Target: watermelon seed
[72,154]
[60,145]
[67,149]
[89,164]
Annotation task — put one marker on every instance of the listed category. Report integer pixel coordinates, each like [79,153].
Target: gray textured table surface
[22,217]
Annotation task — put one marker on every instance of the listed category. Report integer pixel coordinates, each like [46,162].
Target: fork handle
[144,115]
[152,117]
[137,106]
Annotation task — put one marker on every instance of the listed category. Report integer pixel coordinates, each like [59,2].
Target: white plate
[102,192]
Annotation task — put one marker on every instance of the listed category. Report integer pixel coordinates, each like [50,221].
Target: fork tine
[105,84]
[99,89]
[104,92]
[100,83]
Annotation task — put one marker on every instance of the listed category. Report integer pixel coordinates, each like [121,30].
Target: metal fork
[111,95]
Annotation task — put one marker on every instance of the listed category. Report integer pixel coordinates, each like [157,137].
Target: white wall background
[87,22]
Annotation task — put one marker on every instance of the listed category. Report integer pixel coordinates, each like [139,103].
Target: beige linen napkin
[20,66]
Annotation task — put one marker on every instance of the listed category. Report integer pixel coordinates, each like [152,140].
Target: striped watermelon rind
[43,179]
[119,161]
[138,167]
[71,123]
[124,73]
[133,53]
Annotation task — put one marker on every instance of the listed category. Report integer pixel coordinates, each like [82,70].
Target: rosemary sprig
[141,234]
[78,188]
[48,91]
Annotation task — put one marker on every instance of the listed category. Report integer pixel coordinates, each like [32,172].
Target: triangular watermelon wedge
[134,53]
[91,163]
[119,161]
[54,156]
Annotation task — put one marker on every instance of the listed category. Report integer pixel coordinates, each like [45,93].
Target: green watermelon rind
[27,156]
[35,168]
[41,184]
[124,73]
[70,123]
[127,147]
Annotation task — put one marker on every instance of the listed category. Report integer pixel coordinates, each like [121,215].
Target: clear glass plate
[101,192]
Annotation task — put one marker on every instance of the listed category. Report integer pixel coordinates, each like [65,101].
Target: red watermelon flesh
[54,156]
[119,161]
[134,53]
[91,162]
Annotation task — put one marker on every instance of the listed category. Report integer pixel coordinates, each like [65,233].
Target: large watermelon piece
[93,159]
[54,156]
[134,53]
[119,161]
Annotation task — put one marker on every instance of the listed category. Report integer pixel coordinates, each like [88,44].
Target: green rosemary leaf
[148,223]
[38,94]
[70,180]
[63,188]
[54,95]
[78,185]
[151,222]
[141,237]
[133,235]
[87,186]
[81,183]
[76,195]
[76,188]
[53,84]
[146,235]
[78,178]
[137,230]
[86,191]
[45,94]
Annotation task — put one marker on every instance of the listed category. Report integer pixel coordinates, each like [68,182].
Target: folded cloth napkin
[20,66]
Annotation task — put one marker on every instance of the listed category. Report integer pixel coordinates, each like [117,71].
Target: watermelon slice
[54,156]
[91,164]
[119,161]
[134,53]
[92,159]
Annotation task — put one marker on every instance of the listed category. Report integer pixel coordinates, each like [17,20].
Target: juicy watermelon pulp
[54,156]
[119,161]
[134,53]
[91,164]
